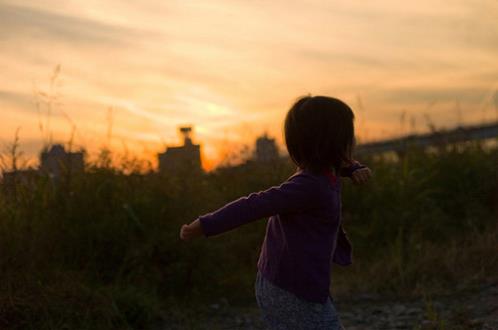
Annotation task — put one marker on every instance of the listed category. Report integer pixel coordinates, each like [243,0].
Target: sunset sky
[232,68]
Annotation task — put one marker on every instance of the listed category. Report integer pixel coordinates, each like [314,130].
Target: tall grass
[427,222]
[101,250]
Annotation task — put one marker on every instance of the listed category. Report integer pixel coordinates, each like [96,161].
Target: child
[304,234]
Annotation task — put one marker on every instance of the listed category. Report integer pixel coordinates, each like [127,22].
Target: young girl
[304,234]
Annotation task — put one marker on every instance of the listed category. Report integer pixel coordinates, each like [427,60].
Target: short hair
[319,133]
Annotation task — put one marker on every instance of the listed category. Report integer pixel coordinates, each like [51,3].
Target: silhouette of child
[304,234]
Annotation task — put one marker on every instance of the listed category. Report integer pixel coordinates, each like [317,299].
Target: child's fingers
[190,231]
[356,177]
[361,176]
[184,232]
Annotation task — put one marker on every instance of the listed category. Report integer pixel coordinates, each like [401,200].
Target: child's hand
[361,175]
[190,231]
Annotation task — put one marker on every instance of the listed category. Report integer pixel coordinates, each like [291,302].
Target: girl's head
[319,133]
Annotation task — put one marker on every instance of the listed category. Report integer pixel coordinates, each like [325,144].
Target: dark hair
[319,133]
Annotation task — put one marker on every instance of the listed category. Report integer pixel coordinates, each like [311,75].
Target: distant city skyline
[233,68]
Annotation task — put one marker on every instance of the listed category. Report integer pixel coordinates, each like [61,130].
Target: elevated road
[437,138]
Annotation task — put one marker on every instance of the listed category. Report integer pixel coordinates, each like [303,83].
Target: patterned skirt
[282,310]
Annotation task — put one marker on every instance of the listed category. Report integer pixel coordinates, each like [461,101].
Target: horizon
[232,69]
[240,156]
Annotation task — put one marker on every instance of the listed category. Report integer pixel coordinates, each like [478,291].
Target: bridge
[435,138]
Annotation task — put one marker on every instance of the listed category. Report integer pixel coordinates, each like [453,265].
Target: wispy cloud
[28,22]
[16,99]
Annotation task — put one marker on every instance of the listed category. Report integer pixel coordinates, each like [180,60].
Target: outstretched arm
[297,194]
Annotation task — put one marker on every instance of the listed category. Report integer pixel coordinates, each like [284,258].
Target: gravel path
[472,310]
[478,310]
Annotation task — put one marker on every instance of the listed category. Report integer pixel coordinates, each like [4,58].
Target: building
[266,149]
[183,159]
[56,161]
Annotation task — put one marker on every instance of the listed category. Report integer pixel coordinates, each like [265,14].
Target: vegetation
[101,249]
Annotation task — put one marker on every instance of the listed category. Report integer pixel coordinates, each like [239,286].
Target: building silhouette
[185,159]
[266,149]
[56,161]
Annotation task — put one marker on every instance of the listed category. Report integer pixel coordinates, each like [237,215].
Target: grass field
[100,250]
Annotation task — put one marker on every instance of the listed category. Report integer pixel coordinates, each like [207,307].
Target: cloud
[424,95]
[19,100]
[22,21]
[219,63]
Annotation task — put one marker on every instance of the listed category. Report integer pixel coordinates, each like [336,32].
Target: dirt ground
[474,309]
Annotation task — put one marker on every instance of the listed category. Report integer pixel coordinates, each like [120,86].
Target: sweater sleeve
[343,254]
[296,194]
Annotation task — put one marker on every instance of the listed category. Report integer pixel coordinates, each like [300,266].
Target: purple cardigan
[304,234]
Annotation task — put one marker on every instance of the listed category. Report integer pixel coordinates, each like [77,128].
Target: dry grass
[101,250]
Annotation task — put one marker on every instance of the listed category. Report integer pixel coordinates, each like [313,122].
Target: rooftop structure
[183,159]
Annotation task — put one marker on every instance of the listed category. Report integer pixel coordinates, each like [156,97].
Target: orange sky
[232,68]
